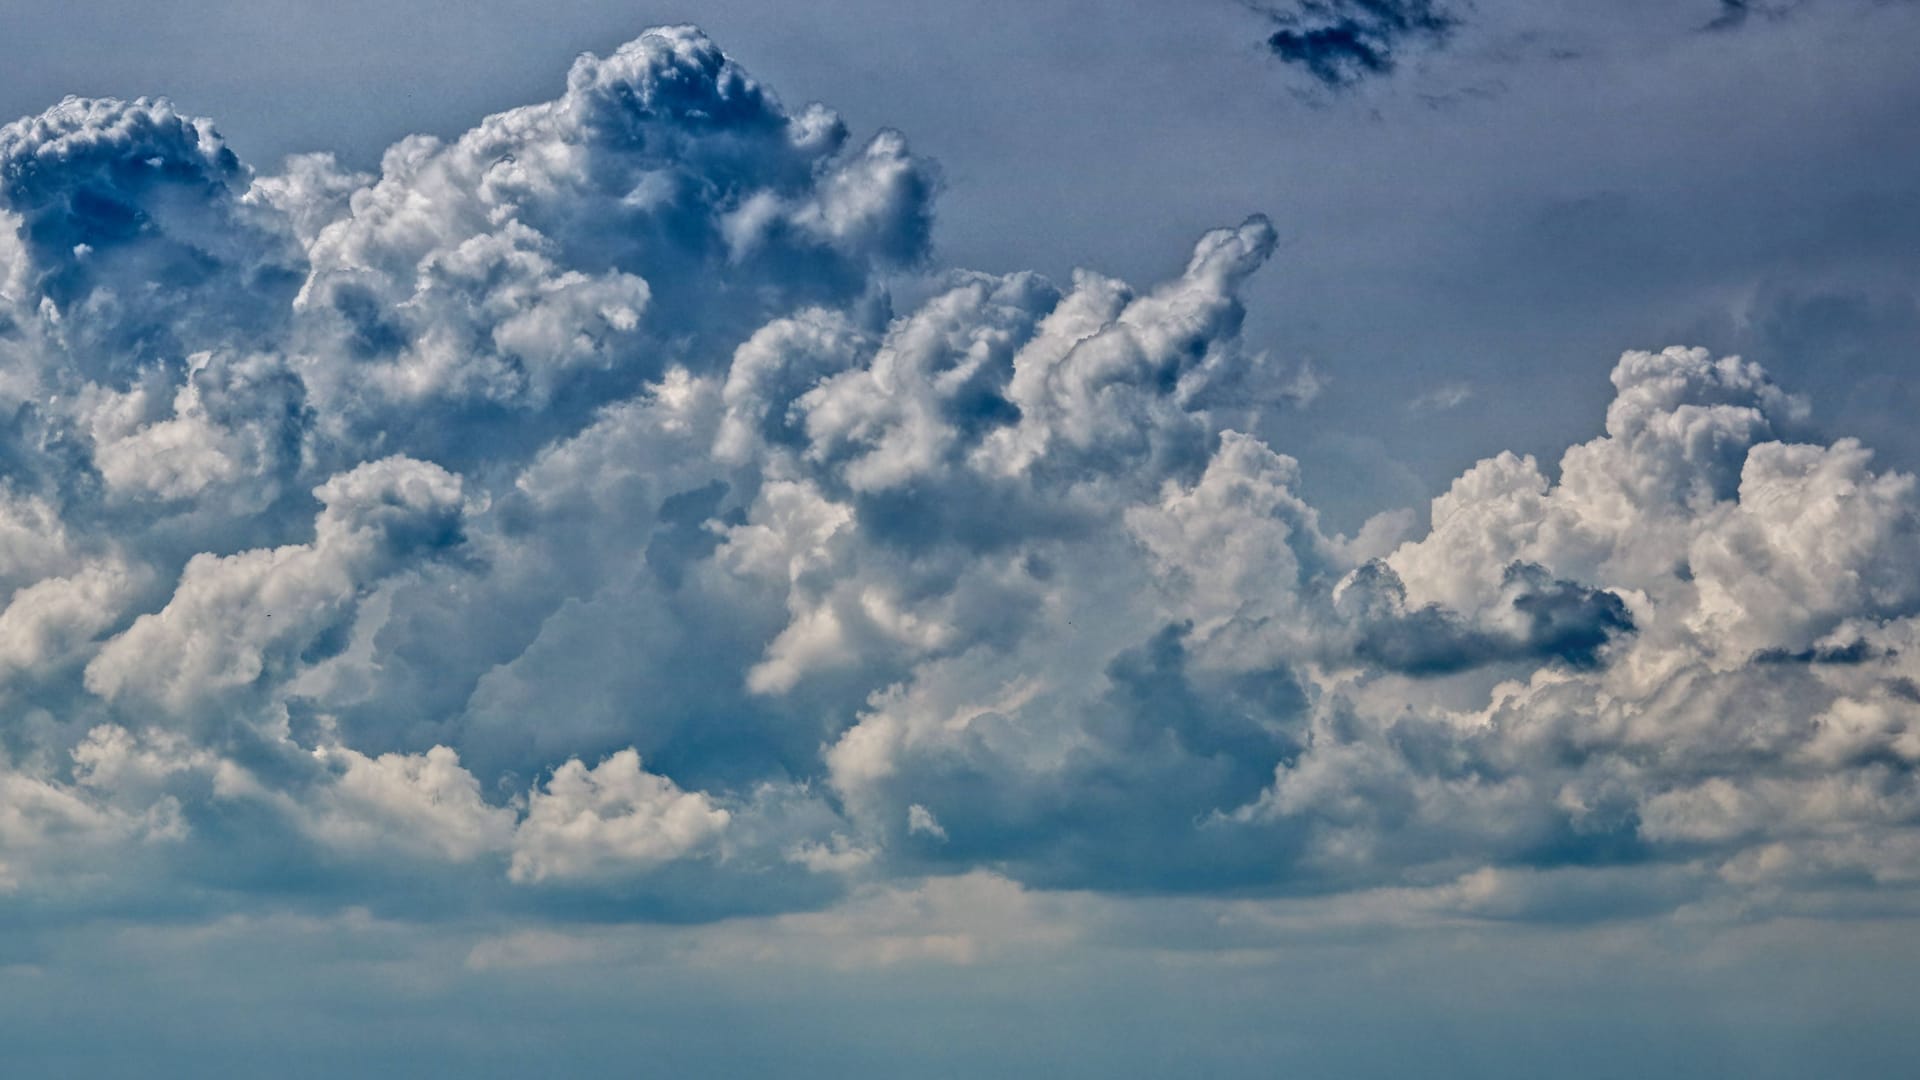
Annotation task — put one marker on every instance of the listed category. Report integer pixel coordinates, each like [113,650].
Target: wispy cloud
[1442,398]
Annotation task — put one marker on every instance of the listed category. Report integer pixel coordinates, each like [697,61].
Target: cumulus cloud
[609,820]
[568,510]
[1539,618]
[667,203]
[133,243]
[426,802]
[218,632]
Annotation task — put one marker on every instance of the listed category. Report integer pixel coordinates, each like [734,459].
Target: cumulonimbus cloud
[568,510]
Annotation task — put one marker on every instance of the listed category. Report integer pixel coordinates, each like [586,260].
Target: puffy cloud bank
[567,516]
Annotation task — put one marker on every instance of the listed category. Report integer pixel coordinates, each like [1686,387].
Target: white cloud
[921,820]
[608,821]
[424,802]
[342,506]
[219,631]
[1442,398]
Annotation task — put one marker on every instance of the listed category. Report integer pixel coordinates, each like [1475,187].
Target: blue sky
[1134,539]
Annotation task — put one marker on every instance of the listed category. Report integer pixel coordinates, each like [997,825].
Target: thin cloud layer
[567,513]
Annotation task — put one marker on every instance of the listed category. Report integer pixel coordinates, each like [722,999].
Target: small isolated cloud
[1737,14]
[1733,14]
[921,822]
[1339,43]
[1442,398]
[1306,385]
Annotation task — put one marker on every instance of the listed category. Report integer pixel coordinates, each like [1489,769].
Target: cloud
[571,518]
[218,632]
[921,820]
[424,801]
[1733,14]
[1339,43]
[608,820]
[133,241]
[1442,398]
[1542,619]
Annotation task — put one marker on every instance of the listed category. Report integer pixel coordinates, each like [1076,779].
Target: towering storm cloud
[569,518]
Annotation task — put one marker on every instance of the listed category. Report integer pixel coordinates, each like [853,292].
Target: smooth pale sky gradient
[1499,876]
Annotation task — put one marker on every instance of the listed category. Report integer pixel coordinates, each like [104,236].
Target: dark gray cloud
[1342,42]
[1736,14]
[1733,14]
[1554,620]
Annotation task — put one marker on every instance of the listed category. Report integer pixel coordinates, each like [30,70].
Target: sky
[1342,537]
